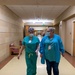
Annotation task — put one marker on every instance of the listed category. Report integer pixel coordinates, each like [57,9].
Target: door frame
[74,38]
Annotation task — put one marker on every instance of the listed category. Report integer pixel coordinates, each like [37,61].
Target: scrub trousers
[31,61]
[53,65]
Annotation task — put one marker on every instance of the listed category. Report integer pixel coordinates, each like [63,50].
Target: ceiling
[38,9]
[39,2]
[46,12]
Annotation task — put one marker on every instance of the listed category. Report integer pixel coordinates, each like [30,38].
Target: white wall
[69,35]
[62,31]
[11,31]
[66,29]
[66,14]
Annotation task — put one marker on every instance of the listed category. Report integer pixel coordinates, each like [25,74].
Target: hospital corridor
[38,27]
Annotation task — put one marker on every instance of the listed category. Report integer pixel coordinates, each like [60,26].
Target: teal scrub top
[30,45]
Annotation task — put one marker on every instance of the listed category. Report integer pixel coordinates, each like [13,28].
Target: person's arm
[42,50]
[38,47]
[61,46]
[42,47]
[20,51]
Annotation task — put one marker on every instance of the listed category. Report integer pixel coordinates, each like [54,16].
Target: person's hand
[36,52]
[63,54]
[41,55]
[18,56]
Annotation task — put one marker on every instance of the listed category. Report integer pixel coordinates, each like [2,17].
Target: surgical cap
[52,29]
[31,29]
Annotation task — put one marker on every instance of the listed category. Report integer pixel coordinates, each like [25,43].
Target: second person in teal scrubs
[31,44]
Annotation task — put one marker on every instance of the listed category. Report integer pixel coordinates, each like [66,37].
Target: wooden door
[26,30]
[74,40]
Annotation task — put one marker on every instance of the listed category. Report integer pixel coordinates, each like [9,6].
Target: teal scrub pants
[31,61]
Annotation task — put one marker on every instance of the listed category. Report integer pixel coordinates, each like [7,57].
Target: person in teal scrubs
[31,44]
[51,48]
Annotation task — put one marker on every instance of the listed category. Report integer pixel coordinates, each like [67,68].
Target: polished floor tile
[18,67]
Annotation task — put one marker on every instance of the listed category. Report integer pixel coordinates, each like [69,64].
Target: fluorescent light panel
[38,21]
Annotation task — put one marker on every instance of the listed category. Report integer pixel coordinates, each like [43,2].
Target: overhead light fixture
[38,21]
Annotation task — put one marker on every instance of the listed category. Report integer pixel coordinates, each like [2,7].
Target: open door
[74,40]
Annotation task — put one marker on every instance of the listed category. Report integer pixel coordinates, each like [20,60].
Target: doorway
[74,39]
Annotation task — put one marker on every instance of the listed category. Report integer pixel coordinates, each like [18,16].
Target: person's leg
[48,67]
[55,68]
[34,63]
[29,64]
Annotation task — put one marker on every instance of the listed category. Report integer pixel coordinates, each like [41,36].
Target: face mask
[31,35]
[48,33]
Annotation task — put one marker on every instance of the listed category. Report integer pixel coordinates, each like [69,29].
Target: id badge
[29,41]
[49,47]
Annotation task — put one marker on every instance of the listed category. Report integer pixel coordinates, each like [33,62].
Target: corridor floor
[18,67]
